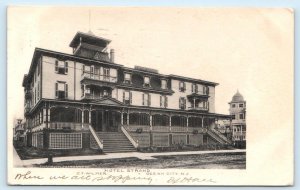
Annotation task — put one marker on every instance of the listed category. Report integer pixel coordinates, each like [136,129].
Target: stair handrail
[135,143]
[219,134]
[98,140]
[216,137]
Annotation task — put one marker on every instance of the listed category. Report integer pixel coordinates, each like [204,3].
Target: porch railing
[68,125]
[133,128]
[161,128]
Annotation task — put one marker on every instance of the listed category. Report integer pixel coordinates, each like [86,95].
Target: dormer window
[61,67]
[181,86]
[163,84]
[194,88]
[61,90]
[147,81]
[127,78]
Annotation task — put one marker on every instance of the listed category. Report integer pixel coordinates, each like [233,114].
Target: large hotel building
[86,100]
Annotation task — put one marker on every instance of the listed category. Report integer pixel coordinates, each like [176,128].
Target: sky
[236,48]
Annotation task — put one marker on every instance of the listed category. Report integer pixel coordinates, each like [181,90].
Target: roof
[193,80]
[89,37]
[238,97]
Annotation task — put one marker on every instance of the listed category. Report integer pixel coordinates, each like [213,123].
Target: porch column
[90,117]
[150,121]
[187,123]
[122,118]
[82,118]
[194,102]
[170,122]
[49,111]
[128,117]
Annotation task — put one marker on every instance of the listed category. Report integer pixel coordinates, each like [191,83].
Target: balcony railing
[238,121]
[198,108]
[89,96]
[68,126]
[28,94]
[104,78]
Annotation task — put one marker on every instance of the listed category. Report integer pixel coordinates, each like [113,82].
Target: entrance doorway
[106,120]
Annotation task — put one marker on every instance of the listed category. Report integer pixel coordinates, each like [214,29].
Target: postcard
[150,96]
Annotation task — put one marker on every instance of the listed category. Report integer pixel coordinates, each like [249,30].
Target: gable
[108,101]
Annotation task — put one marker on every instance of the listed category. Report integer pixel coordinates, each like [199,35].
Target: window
[127,97]
[194,88]
[147,81]
[181,86]
[127,78]
[233,105]
[61,67]
[233,116]
[106,74]
[206,90]
[241,105]
[61,90]
[163,101]
[163,84]
[182,103]
[146,99]
[242,116]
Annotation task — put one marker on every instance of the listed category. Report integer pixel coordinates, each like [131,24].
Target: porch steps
[115,142]
[217,137]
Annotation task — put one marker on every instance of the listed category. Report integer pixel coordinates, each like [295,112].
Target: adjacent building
[86,100]
[238,112]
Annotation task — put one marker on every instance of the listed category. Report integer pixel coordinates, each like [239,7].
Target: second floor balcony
[28,94]
[98,80]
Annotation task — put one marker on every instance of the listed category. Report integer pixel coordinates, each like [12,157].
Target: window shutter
[83,68]
[56,90]
[143,99]
[149,100]
[130,97]
[207,105]
[56,66]
[193,88]
[179,102]
[66,90]
[123,96]
[166,101]
[179,85]
[196,88]
[184,87]
[66,67]
[184,100]
[160,101]
[207,91]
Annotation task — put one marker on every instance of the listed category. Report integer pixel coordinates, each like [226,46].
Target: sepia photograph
[149,96]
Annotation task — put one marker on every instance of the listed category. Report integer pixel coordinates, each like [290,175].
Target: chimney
[112,55]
